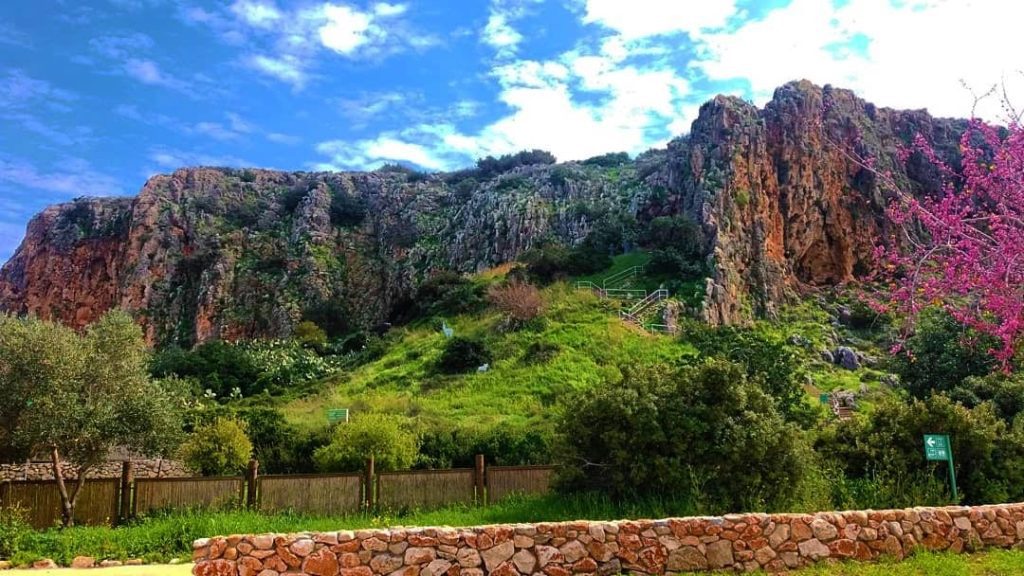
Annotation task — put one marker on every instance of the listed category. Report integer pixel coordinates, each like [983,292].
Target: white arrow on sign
[931,441]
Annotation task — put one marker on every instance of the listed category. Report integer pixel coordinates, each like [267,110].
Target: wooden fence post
[127,481]
[371,498]
[478,480]
[250,482]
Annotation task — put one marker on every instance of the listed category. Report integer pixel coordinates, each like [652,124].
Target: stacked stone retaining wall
[155,468]
[742,542]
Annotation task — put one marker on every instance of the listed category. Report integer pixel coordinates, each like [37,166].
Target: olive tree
[75,396]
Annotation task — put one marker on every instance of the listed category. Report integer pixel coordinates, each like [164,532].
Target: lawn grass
[157,570]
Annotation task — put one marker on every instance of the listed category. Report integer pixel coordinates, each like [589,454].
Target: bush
[678,233]
[502,445]
[462,355]
[671,262]
[705,433]
[443,294]
[13,526]
[767,359]
[887,444]
[310,335]
[387,438]
[217,366]
[219,448]
[490,166]
[347,210]
[273,440]
[940,354]
[548,263]
[541,352]
[610,160]
[292,197]
[520,303]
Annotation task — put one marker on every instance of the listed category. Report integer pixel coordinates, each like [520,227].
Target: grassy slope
[593,344]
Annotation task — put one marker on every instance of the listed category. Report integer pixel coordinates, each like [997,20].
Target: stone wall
[156,468]
[743,542]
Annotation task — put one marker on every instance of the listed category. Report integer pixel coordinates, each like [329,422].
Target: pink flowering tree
[962,247]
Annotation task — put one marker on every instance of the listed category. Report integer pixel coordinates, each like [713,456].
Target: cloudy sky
[98,95]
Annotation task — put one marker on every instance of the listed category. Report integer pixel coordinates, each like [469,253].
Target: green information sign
[336,415]
[937,447]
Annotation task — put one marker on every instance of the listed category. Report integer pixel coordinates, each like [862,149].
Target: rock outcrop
[209,253]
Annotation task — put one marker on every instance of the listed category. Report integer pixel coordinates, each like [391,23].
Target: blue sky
[98,95]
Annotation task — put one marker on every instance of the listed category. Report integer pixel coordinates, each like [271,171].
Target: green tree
[386,438]
[462,355]
[75,397]
[941,354]
[218,448]
[705,432]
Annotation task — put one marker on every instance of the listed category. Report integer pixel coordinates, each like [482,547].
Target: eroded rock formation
[210,253]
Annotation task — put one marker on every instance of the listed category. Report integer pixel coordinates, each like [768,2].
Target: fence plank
[177,493]
[321,495]
[425,488]
[97,504]
[503,481]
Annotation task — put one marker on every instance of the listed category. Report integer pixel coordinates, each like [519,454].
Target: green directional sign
[937,447]
[335,415]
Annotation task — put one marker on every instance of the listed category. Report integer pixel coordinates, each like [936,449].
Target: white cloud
[916,52]
[385,9]
[345,29]
[641,18]
[499,32]
[260,14]
[287,139]
[172,159]
[287,69]
[284,44]
[71,177]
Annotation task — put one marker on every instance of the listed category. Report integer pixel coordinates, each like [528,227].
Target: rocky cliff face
[217,253]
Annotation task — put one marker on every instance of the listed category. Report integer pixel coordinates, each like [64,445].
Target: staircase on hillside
[643,311]
[843,404]
[619,285]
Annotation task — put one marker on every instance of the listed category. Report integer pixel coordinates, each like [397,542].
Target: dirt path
[179,570]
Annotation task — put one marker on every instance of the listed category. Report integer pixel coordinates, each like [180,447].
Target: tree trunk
[67,503]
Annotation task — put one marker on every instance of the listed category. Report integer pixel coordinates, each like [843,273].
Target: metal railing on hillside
[640,307]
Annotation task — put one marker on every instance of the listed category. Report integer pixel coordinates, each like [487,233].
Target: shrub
[705,433]
[465,188]
[490,166]
[13,526]
[610,160]
[217,366]
[273,440]
[347,210]
[219,448]
[292,197]
[520,303]
[679,233]
[387,438]
[310,335]
[941,354]
[462,355]
[767,359]
[541,352]
[547,263]
[887,443]
[671,262]
[443,294]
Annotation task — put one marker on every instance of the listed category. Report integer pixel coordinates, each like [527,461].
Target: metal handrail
[628,272]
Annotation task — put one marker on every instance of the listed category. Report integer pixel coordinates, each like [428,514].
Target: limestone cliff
[209,253]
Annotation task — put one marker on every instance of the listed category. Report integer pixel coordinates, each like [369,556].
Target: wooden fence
[178,493]
[426,488]
[97,503]
[503,481]
[316,495]
[325,495]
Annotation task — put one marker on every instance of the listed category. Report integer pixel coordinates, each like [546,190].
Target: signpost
[937,448]
[336,415]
